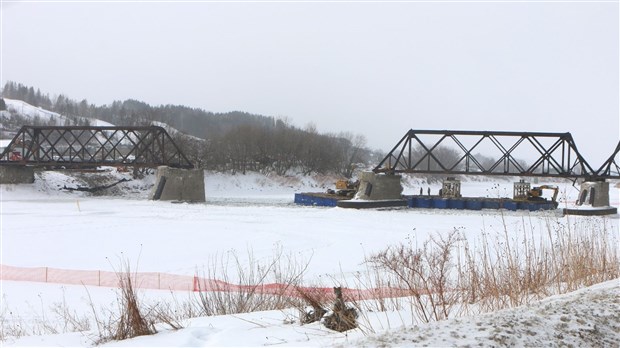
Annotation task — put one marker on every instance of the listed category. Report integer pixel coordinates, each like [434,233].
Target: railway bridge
[92,147]
[514,154]
[88,147]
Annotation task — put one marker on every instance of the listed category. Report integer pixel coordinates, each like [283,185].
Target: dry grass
[11,324]
[132,318]
[61,319]
[132,321]
[424,272]
[255,280]
[312,305]
[564,256]
[446,276]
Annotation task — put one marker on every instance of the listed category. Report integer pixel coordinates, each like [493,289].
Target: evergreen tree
[2,104]
[31,97]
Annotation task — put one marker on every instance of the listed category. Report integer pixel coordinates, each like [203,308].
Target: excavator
[536,193]
[346,188]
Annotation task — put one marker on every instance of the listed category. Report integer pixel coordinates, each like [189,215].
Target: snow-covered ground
[43,226]
[584,318]
[31,112]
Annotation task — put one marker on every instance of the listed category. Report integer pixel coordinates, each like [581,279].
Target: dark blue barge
[427,202]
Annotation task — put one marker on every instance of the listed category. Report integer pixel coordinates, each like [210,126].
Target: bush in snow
[341,318]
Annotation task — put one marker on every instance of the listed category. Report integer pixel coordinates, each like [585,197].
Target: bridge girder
[611,167]
[463,152]
[80,147]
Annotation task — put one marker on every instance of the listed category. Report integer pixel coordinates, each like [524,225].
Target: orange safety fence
[167,281]
[142,280]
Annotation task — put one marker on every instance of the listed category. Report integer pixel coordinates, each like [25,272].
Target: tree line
[234,141]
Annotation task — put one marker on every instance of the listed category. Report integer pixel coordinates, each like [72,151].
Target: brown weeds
[503,269]
[258,286]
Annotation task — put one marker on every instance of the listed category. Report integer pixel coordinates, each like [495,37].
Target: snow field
[249,217]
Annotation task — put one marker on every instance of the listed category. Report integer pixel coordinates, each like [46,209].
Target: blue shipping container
[510,205]
[473,204]
[456,204]
[440,203]
[424,202]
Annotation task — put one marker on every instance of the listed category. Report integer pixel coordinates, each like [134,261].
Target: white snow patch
[43,225]
[27,110]
[30,111]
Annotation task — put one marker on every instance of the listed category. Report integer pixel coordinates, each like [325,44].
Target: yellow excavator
[536,193]
[346,188]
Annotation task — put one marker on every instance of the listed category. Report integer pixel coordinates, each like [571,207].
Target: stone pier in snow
[175,184]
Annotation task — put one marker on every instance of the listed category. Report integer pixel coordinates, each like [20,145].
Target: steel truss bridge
[494,153]
[87,147]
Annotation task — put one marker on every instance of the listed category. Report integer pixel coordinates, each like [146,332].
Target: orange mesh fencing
[142,280]
[167,281]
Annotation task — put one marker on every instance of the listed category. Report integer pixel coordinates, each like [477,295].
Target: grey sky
[375,69]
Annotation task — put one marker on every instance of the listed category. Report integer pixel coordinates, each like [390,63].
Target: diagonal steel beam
[559,159]
[85,146]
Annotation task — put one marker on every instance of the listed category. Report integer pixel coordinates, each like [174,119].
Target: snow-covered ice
[43,226]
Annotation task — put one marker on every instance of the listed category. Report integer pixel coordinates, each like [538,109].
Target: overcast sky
[376,69]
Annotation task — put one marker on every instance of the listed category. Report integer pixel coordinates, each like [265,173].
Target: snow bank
[588,317]
[585,318]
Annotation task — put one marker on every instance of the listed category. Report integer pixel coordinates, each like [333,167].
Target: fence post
[46,274]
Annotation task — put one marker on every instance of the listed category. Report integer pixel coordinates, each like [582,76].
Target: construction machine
[346,188]
[536,193]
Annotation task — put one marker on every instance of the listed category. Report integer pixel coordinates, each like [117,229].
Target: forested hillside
[234,141]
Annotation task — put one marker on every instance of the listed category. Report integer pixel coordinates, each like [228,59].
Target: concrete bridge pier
[175,184]
[593,199]
[379,187]
[16,174]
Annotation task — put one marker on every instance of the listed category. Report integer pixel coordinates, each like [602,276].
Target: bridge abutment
[16,175]
[175,184]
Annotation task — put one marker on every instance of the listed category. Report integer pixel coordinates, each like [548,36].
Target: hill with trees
[234,141]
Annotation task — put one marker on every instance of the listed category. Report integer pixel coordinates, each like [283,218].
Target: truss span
[80,147]
[611,167]
[492,153]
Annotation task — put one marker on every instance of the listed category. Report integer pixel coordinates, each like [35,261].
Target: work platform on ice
[424,202]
